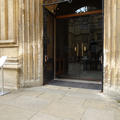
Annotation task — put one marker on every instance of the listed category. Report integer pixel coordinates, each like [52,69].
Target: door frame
[102,82]
[103,48]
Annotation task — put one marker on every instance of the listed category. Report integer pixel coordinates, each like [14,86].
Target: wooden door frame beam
[79,14]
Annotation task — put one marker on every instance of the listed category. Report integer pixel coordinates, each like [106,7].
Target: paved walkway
[58,102]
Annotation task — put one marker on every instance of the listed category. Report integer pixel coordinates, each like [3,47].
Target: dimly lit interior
[79,41]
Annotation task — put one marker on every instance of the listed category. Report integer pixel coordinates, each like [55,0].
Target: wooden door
[48,46]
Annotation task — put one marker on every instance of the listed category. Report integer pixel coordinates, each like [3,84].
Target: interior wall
[61,43]
[111,45]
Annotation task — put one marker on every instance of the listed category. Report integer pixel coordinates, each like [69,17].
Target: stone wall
[9,40]
[31,43]
[21,39]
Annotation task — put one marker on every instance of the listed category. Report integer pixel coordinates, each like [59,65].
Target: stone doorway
[61,65]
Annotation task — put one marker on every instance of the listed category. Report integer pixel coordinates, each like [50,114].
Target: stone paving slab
[95,114]
[64,110]
[29,103]
[14,113]
[53,102]
[43,116]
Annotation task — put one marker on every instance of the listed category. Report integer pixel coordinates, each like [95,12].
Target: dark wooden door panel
[48,46]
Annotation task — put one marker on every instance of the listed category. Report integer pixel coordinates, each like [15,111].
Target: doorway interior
[74,48]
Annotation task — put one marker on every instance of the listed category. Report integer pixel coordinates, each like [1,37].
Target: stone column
[111,46]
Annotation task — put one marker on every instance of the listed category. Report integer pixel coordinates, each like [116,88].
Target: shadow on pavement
[85,85]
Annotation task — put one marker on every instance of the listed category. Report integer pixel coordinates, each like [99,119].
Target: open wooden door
[48,46]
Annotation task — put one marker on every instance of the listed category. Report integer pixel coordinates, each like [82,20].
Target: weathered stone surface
[111,48]
[21,38]
[52,103]
[94,114]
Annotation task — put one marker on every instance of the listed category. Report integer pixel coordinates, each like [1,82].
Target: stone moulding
[12,63]
[7,41]
[12,66]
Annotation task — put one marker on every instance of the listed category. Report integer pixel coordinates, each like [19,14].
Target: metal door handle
[46,58]
[101,59]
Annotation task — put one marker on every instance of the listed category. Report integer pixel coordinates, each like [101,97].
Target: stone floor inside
[77,71]
[59,101]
